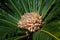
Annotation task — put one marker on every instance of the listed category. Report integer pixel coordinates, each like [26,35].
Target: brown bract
[30,21]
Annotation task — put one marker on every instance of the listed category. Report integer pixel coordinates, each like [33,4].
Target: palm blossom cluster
[30,21]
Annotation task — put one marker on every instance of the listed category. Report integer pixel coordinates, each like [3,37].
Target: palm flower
[30,20]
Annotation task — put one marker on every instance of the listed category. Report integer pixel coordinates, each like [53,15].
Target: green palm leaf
[46,8]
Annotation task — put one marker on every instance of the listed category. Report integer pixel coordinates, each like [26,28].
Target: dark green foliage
[12,10]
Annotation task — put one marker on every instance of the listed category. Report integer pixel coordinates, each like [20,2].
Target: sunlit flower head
[30,21]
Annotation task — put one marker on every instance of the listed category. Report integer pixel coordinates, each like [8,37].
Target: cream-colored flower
[30,21]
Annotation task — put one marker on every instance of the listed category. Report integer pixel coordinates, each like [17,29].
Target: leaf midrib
[15,8]
[49,34]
